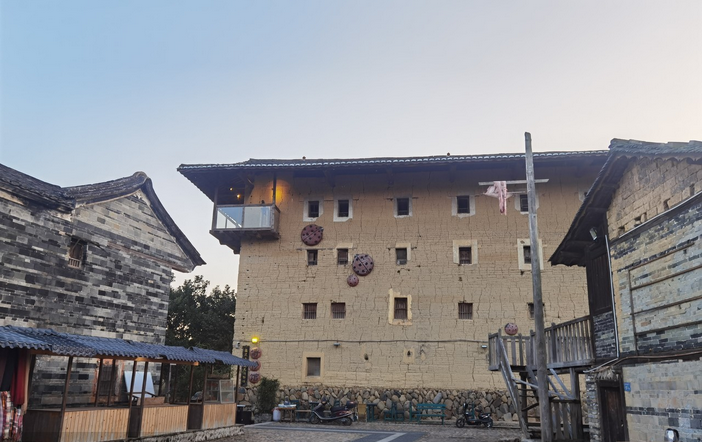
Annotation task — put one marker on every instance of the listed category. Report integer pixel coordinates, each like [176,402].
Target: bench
[393,414]
[428,410]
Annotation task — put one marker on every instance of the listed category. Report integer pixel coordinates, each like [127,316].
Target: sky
[93,91]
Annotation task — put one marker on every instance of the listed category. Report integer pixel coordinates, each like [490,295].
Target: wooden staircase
[569,352]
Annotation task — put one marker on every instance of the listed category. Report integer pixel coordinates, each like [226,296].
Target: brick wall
[435,349]
[650,187]
[605,342]
[658,277]
[664,395]
[121,290]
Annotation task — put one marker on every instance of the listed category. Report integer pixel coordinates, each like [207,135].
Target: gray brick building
[639,236]
[94,260]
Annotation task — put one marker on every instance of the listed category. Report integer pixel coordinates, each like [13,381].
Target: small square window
[403,206]
[338,310]
[311,257]
[312,209]
[342,256]
[76,253]
[465,256]
[530,307]
[400,308]
[463,204]
[314,366]
[342,210]
[465,310]
[527,254]
[401,256]
[523,202]
[309,310]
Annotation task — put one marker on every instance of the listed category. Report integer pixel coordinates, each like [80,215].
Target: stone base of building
[496,402]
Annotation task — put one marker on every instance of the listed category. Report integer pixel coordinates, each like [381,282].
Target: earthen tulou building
[390,272]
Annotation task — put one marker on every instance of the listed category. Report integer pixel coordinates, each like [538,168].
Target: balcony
[233,223]
[568,345]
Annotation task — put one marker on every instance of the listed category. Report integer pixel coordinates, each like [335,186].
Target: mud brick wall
[433,349]
[664,395]
[120,291]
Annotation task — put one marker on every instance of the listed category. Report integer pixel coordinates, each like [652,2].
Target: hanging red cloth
[17,391]
[499,190]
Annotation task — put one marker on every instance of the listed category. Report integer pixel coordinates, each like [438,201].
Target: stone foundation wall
[496,402]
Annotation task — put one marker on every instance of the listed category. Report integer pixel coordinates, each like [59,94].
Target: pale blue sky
[92,91]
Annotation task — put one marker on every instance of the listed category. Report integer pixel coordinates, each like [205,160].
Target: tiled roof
[599,197]
[66,198]
[65,344]
[439,159]
[31,188]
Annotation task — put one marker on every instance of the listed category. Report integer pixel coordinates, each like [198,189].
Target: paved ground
[374,432]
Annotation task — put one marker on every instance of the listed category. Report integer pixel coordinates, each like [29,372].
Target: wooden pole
[97,390]
[131,386]
[65,395]
[541,370]
[111,390]
[190,387]
[143,397]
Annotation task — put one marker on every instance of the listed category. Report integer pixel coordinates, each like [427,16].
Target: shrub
[267,394]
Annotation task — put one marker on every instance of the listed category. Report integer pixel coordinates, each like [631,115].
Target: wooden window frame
[338,310]
[461,210]
[342,257]
[399,259]
[312,257]
[309,310]
[465,310]
[401,308]
[465,251]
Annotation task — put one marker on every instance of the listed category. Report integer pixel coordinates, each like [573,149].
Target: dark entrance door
[612,413]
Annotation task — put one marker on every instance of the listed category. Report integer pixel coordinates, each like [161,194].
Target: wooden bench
[428,410]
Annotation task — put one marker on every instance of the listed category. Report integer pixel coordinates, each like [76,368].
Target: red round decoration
[362,264]
[254,378]
[352,280]
[311,235]
[257,367]
[255,353]
[511,328]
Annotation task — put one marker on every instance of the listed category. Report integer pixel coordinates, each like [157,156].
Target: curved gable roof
[599,197]
[66,198]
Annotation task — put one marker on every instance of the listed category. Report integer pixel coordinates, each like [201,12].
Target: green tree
[199,319]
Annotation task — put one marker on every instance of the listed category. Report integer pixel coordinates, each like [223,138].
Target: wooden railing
[567,345]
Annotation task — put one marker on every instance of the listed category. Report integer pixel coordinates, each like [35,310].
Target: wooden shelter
[138,417]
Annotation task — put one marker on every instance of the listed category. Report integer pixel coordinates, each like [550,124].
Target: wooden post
[190,388]
[131,386]
[541,371]
[112,382]
[204,385]
[143,397]
[65,395]
[97,389]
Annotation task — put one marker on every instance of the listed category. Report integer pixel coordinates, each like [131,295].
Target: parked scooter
[345,415]
[470,418]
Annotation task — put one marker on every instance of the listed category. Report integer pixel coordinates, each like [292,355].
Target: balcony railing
[239,218]
[567,345]
[232,223]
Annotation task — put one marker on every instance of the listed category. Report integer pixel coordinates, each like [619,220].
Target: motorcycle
[470,418]
[344,414]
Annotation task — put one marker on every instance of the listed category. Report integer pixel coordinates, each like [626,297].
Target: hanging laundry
[499,190]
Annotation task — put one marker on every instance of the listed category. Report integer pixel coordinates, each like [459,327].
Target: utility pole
[541,372]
